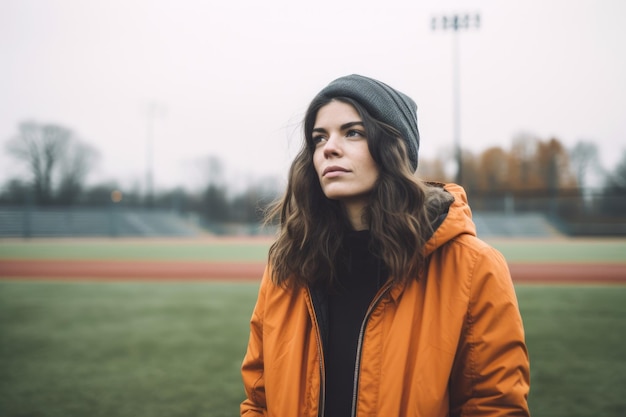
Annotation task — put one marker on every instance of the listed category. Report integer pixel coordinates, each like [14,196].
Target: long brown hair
[312,226]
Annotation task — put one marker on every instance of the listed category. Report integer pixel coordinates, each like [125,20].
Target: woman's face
[342,160]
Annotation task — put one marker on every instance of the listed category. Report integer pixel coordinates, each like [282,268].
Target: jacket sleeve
[252,369]
[491,376]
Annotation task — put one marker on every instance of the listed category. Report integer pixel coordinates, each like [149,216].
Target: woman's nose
[332,146]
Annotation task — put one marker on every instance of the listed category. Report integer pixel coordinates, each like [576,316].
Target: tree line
[58,163]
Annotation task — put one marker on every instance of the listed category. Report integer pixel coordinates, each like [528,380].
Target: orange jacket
[448,343]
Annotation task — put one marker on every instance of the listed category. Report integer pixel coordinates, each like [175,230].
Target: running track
[250,271]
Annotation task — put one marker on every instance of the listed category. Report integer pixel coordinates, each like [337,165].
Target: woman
[378,298]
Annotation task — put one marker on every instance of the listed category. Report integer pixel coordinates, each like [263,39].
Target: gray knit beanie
[383,103]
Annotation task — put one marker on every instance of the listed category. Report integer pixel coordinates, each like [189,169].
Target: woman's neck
[354,211]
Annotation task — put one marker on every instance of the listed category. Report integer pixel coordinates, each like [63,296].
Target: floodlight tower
[456,22]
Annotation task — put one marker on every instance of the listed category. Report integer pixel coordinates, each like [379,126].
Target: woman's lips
[334,171]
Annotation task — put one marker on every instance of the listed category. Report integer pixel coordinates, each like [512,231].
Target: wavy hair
[312,227]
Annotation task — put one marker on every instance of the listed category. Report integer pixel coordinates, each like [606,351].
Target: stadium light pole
[153,110]
[456,22]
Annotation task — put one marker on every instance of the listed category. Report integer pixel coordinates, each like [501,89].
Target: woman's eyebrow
[351,124]
[342,127]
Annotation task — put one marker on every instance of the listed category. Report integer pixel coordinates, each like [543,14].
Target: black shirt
[359,278]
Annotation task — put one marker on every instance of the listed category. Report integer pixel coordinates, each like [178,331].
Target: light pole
[455,22]
[153,110]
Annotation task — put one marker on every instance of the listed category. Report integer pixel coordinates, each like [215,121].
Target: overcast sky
[232,78]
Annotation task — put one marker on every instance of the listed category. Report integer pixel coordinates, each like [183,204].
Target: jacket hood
[451,214]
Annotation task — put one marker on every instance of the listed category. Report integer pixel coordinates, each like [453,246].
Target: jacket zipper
[322,401]
[318,339]
[359,348]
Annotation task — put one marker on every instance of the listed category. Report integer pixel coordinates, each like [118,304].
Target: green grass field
[122,349]
[167,349]
[174,349]
[559,250]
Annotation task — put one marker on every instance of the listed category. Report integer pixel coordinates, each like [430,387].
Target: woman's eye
[355,133]
[318,139]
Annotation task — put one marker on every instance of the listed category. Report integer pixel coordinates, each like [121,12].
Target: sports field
[543,261]
[84,332]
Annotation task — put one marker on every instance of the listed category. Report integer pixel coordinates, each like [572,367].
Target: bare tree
[584,156]
[52,152]
[616,179]
[74,167]
[614,200]
[214,195]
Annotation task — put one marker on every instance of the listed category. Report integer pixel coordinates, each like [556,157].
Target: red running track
[199,270]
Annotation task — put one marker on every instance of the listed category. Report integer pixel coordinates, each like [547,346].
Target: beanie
[384,103]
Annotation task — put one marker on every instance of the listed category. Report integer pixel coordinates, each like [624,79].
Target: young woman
[378,298]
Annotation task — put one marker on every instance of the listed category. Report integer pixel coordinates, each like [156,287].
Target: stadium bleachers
[93,222]
[497,224]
